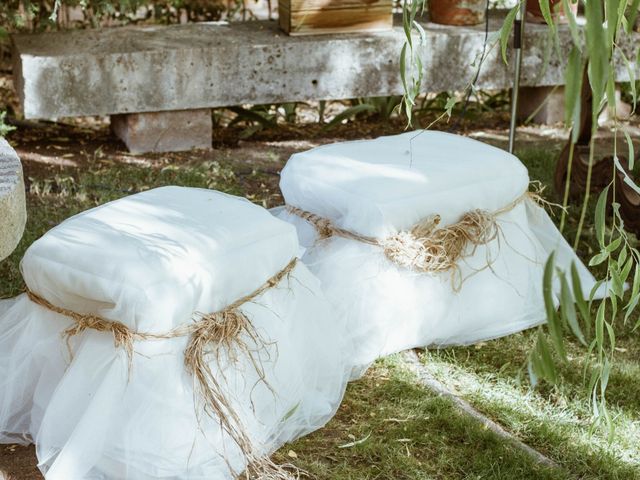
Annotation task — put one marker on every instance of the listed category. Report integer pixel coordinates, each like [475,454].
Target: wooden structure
[311,17]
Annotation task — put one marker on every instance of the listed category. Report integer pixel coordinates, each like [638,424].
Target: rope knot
[426,247]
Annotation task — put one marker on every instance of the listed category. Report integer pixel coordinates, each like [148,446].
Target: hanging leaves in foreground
[594,45]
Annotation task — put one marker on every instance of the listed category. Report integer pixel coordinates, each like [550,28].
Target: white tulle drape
[146,261]
[383,186]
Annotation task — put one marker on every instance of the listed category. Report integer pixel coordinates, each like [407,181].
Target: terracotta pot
[457,12]
[534,14]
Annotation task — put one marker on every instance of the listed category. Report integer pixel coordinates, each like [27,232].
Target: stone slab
[13,214]
[206,65]
[172,131]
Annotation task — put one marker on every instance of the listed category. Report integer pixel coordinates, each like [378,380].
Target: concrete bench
[158,83]
[12,201]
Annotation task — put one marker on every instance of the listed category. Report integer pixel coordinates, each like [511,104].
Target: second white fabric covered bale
[158,263]
[364,210]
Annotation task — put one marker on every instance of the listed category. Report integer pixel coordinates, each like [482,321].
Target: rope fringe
[228,331]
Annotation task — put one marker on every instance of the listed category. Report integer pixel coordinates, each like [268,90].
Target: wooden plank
[296,5]
[306,17]
[339,21]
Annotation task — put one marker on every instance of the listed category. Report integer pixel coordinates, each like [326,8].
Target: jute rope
[227,331]
[426,248]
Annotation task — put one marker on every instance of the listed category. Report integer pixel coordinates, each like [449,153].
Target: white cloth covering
[380,187]
[150,261]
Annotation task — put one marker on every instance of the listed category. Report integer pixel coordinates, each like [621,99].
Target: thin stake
[518,42]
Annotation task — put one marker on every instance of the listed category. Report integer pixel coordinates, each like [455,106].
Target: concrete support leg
[171,131]
[547,103]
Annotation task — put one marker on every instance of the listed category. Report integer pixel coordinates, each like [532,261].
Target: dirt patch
[18,463]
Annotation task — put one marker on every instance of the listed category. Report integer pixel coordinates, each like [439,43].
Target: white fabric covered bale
[378,188]
[150,261]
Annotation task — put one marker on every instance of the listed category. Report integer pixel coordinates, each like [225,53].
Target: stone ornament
[13,214]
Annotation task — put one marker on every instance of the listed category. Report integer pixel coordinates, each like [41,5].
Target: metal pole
[518,40]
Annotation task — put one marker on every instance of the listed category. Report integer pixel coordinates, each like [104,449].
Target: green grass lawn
[389,426]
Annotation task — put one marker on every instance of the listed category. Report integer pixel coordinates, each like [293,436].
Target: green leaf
[578,296]
[547,286]
[611,93]
[5,128]
[632,154]
[406,23]
[615,285]
[623,255]
[604,376]
[573,25]
[418,79]
[620,18]
[614,245]
[568,309]
[631,307]
[626,270]
[612,12]
[634,298]
[545,9]
[626,178]
[597,52]
[601,208]
[600,324]
[505,31]
[553,323]
[599,258]
[614,302]
[612,336]
[451,102]
[403,68]
[573,87]
[421,32]
[542,360]
[635,289]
